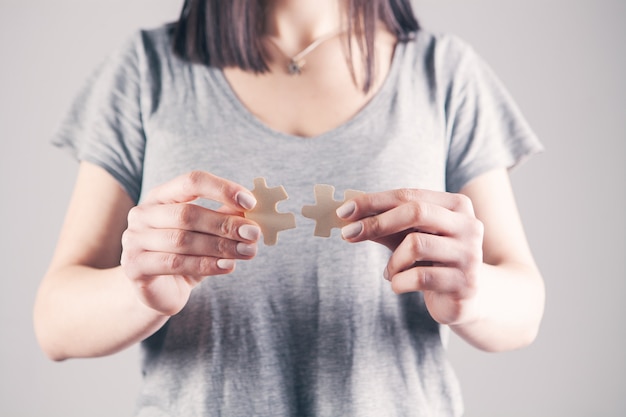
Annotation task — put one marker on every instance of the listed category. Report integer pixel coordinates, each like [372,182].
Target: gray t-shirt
[309,327]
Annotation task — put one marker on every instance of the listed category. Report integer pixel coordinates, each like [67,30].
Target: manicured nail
[346,210]
[249,232]
[226,263]
[246,200]
[352,230]
[245,249]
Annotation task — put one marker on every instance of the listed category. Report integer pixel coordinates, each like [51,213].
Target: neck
[298,23]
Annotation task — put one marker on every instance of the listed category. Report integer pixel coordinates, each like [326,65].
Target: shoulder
[152,44]
[143,48]
[441,52]
[157,39]
[446,63]
[146,57]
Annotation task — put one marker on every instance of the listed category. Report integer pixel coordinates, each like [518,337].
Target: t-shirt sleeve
[485,127]
[104,125]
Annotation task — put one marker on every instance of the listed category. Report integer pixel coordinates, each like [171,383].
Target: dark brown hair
[224,33]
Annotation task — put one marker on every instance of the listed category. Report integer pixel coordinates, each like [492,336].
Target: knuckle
[416,243]
[191,183]
[396,287]
[479,230]
[186,214]
[227,226]
[476,256]
[461,202]
[206,265]
[134,215]
[124,260]
[423,278]
[128,262]
[126,239]
[180,238]
[173,262]
[405,195]
[470,270]
[229,191]
[475,234]
[221,187]
[418,212]
[130,249]
[192,179]
[472,253]
[222,247]
[373,226]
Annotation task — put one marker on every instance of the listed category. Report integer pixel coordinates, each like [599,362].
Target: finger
[194,218]
[185,242]
[416,215]
[146,265]
[421,248]
[367,205]
[228,210]
[439,279]
[201,184]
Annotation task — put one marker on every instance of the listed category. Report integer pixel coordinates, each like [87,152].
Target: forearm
[511,303]
[86,312]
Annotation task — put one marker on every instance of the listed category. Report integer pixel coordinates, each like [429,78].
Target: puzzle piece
[265,214]
[324,210]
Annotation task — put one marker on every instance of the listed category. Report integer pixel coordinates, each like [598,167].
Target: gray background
[564,63]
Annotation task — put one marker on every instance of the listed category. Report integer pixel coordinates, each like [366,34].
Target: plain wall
[564,63]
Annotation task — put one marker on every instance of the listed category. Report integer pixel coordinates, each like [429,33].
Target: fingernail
[246,200]
[386,274]
[226,263]
[249,232]
[352,230]
[246,249]
[346,210]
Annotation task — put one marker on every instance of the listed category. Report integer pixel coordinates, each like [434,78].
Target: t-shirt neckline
[362,114]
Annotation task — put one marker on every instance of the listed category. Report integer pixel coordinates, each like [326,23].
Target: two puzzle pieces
[271,221]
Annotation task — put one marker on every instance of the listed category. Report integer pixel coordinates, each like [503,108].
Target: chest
[329,135]
[289,105]
[326,94]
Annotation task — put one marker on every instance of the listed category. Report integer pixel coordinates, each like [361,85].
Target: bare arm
[512,295]
[85,305]
[468,255]
[89,305]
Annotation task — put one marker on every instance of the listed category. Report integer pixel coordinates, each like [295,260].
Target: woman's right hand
[171,245]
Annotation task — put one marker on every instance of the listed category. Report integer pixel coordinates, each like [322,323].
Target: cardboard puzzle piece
[265,214]
[324,210]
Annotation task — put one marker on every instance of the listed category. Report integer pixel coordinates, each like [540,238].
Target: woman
[350,93]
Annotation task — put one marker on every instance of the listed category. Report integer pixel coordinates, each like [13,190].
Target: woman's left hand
[436,241]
